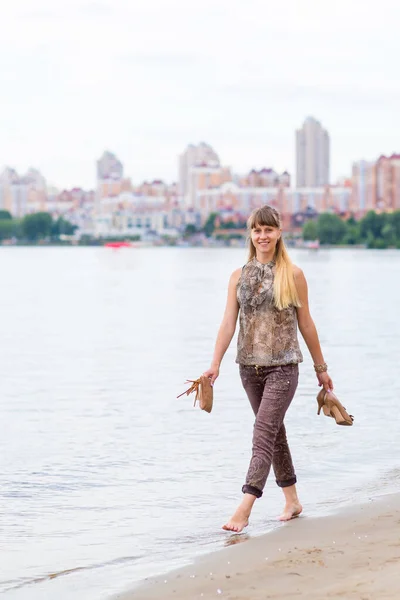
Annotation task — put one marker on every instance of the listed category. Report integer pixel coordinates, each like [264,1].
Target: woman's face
[264,238]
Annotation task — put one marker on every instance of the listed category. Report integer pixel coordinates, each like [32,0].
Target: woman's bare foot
[240,519]
[238,522]
[292,505]
[291,511]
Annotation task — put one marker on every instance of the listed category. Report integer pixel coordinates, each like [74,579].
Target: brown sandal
[204,392]
[332,407]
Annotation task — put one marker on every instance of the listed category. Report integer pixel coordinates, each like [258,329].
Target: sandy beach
[354,554]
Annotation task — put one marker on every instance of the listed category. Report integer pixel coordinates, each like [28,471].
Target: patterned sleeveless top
[267,336]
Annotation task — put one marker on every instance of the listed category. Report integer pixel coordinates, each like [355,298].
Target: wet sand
[354,554]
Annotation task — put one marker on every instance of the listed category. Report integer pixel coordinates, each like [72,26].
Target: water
[107,478]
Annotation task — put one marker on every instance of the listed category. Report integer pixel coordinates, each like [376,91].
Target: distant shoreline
[139,245]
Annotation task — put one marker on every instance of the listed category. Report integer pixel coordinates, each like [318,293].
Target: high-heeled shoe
[332,407]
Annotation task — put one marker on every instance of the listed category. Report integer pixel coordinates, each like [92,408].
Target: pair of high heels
[332,407]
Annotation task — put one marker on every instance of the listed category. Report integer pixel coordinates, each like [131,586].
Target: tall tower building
[312,154]
[110,181]
[202,155]
[109,167]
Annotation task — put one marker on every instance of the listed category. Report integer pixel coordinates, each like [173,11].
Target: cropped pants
[270,391]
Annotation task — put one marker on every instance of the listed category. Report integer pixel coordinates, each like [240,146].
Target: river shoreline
[352,554]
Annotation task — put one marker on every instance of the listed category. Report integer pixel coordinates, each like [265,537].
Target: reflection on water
[107,478]
[236,539]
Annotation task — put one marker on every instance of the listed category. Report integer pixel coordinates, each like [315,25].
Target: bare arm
[307,327]
[227,328]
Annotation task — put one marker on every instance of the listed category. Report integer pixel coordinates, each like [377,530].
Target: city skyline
[146,79]
[194,159]
[206,186]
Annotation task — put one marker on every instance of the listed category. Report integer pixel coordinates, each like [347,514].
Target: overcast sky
[144,78]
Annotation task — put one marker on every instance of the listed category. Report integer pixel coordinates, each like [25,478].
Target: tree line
[374,230]
[34,228]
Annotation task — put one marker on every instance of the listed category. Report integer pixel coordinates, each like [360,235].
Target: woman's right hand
[212,373]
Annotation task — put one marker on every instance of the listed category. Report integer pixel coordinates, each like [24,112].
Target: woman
[271,294]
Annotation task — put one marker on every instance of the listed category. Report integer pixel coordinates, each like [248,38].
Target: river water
[105,477]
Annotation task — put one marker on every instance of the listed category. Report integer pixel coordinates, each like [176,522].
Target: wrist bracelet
[321,368]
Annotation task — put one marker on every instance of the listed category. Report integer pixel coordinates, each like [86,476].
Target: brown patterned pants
[270,391]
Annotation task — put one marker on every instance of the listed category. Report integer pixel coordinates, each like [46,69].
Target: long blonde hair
[285,292]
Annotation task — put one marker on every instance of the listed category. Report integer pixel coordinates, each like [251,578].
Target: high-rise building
[376,184]
[363,196]
[110,178]
[22,194]
[201,155]
[109,167]
[388,182]
[312,154]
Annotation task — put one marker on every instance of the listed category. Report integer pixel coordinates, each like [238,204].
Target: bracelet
[321,368]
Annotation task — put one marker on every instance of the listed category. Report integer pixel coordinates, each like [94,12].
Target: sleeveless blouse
[267,336]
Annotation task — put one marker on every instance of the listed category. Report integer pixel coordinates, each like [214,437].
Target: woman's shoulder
[235,276]
[297,272]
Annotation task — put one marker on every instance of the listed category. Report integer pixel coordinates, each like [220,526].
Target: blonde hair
[285,292]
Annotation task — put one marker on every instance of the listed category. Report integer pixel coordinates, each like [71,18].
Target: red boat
[118,245]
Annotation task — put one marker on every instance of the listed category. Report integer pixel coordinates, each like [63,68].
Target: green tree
[18,233]
[370,240]
[6,229]
[228,225]
[5,215]
[351,221]
[395,222]
[352,235]
[310,231]
[209,225]
[62,227]
[372,223]
[36,226]
[379,244]
[389,234]
[190,230]
[89,240]
[331,229]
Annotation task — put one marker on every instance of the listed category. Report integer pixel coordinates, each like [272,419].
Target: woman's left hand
[325,381]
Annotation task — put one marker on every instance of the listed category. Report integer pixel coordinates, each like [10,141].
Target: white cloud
[144,78]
